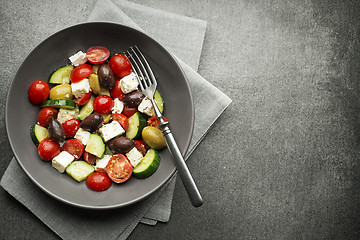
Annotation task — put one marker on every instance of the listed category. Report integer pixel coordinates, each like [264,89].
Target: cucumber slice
[148,165]
[62,75]
[77,110]
[79,170]
[108,151]
[159,101]
[87,109]
[136,124]
[104,91]
[38,133]
[95,145]
[59,103]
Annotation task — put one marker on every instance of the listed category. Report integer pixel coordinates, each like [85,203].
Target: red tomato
[103,104]
[80,72]
[84,99]
[97,54]
[116,91]
[120,65]
[140,146]
[89,158]
[154,122]
[119,168]
[38,92]
[98,181]
[48,149]
[71,126]
[129,111]
[45,116]
[122,119]
[74,147]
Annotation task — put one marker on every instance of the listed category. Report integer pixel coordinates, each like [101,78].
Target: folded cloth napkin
[185,42]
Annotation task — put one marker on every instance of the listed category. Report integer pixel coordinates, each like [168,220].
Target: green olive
[94,83]
[153,137]
[62,91]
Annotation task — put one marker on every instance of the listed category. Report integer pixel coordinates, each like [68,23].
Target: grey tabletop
[282,162]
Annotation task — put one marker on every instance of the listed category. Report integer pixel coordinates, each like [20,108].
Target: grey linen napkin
[185,41]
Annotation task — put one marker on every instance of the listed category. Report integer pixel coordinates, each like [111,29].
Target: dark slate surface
[282,162]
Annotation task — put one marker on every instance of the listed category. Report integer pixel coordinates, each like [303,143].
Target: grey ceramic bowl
[52,54]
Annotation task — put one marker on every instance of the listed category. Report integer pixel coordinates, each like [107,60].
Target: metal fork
[148,84]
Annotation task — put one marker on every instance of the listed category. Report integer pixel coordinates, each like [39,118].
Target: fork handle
[182,168]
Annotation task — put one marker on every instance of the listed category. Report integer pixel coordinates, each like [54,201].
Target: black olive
[92,122]
[56,130]
[121,145]
[106,76]
[134,98]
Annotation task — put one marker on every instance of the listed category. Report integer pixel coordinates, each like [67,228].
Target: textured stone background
[282,162]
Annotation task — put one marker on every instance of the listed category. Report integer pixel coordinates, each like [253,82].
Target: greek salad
[94,123]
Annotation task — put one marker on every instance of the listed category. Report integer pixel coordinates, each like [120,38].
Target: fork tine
[147,67]
[144,66]
[141,68]
[137,71]
[135,66]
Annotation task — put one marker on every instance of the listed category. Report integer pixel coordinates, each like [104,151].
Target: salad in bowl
[94,123]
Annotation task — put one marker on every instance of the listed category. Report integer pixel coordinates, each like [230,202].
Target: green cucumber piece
[108,151]
[148,165]
[136,124]
[104,91]
[62,75]
[59,103]
[77,110]
[79,170]
[38,133]
[87,109]
[95,145]
[159,101]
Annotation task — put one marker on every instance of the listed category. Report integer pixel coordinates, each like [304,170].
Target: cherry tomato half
[98,181]
[71,126]
[116,91]
[103,104]
[89,158]
[122,119]
[119,168]
[97,54]
[140,146]
[48,149]
[38,92]
[45,115]
[154,122]
[129,111]
[80,72]
[83,99]
[120,65]
[74,147]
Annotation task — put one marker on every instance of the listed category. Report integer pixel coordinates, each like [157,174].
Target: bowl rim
[59,198]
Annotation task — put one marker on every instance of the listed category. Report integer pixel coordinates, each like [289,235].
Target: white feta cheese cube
[118,106]
[101,163]
[129,83]
[61,161]
[146,107]
[134,156]
[80,88]
[78,58]
[110,130]
[65,114]
[82,135]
